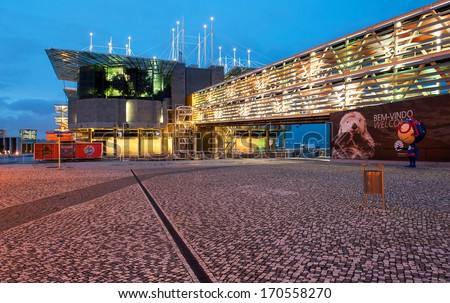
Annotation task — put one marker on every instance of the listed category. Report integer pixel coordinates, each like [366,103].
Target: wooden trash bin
[374,183]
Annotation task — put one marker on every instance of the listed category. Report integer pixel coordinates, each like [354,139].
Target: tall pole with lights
[129,46]
[212,41]
[59,150]
[173,45]
[182,40]
[204,45]
[91,46]
[199,47]
[110,47]
[178,41]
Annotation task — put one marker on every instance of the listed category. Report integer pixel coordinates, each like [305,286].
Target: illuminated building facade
[141,106]
[400,59]
[127,103]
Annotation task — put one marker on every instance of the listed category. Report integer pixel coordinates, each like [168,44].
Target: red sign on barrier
[56,136]
[45,151]
[88,150]
[69,151]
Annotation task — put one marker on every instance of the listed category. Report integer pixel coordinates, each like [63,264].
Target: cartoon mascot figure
[410,132]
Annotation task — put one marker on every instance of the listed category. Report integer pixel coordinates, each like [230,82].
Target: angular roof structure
[67,63]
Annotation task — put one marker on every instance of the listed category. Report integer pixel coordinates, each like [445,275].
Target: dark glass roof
[236,71]
[67,63]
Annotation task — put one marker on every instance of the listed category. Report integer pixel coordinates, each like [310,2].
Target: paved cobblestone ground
[93,234]
[28,182]
[248,220]
[304,222]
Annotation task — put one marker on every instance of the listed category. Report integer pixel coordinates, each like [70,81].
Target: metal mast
[128,47]
[182,40]
[178,41]
[110,47]
[198,50]
[173,45]
[91,46]
[212,41]
[204,45]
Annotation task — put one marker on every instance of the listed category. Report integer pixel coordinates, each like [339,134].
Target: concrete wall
[217,74]
[196,79]
[112,112]
[200,78]
[178,85]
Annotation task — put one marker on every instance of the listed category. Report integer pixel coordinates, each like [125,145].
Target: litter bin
[373,183]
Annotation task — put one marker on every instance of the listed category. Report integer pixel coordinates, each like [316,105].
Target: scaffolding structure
[183,133]
[61,118]
[229,143]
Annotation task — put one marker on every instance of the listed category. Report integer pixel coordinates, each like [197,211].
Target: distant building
[127,103]
[27,139]
[24,144]
[9,145]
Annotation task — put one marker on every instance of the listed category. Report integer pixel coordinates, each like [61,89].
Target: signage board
[28,135]
[371,132]
[55,136]
[69,151]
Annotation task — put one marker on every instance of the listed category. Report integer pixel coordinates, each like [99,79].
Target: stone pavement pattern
[249,221]
[111,238]
[304,222]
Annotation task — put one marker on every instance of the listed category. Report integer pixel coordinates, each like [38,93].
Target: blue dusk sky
[272,30]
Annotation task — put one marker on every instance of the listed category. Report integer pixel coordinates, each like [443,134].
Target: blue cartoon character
[410,132]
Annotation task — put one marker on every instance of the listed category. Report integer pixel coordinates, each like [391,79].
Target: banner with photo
[371,132]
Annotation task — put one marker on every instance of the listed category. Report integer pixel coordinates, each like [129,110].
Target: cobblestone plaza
[245,220]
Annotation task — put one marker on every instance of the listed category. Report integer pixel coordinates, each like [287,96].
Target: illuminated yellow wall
[125,147]
[242,144]
[151,146]
[110,148]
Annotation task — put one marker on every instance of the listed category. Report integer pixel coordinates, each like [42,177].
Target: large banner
[69,151]
[371,132]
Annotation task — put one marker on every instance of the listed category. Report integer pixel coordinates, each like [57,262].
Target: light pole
[204,45]
[91,46]
[59,150]
[122,152]
[212,41]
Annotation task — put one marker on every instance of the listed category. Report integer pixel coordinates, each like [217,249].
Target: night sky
[272,30]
